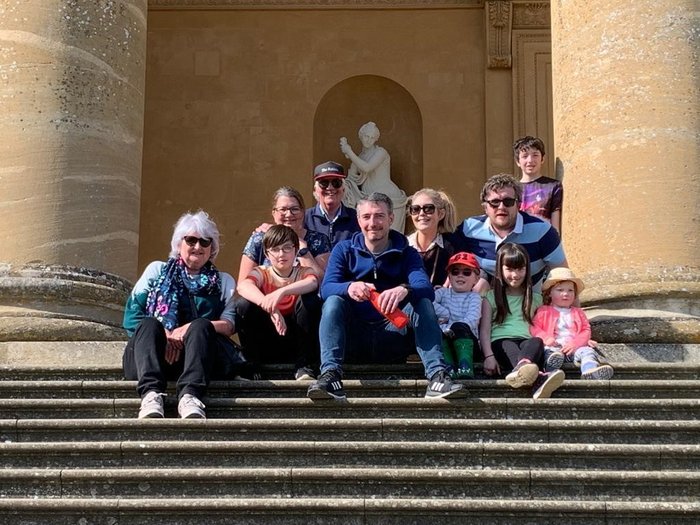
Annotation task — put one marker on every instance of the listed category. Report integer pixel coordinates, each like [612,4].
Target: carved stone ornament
[498,34]
[313,4]
[531,15]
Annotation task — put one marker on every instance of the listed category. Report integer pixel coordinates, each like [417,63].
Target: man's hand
[389,299]
[359,291]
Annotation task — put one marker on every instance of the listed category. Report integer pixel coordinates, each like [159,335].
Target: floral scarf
[173,283]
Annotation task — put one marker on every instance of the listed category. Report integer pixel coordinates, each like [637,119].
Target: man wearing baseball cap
[330,216]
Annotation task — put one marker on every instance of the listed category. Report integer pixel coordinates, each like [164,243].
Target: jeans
[583,354]
[144,358]
[343,335]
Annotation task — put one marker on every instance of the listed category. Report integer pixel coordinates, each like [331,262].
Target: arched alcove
[356,100]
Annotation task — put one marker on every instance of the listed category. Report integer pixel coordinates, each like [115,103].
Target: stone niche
[244,97]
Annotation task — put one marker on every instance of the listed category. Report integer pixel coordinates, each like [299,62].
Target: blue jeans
[342,335]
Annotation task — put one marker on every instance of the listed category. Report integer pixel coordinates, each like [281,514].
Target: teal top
[514,326]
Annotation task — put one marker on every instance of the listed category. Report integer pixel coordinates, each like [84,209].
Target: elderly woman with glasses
[288,209]
[175,316]
[434,218]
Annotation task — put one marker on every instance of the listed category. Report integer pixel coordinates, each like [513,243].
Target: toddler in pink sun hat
[564,328]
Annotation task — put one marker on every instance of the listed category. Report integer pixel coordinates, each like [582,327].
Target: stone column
[71,120]
[626,88]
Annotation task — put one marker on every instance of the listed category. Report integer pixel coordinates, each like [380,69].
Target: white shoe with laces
[152,405]
[190,407]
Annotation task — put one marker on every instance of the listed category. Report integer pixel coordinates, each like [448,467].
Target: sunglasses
[192,241]
[324,183]
[467,272]
[508,202]
[428,209]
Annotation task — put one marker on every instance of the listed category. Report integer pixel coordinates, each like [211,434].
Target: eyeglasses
[324,183]
[294,210]
[428,209]
[192,241]
[508,202]
[277,250]
[467,272]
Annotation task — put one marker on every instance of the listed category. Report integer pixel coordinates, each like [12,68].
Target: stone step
[623,370]
[328,454]
[303,408]
[342,511]
[586,431]
[303,482]
[572,388]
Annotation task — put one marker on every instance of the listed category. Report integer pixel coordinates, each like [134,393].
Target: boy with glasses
[330,216]
[278,311]
[458,310]
[502,222]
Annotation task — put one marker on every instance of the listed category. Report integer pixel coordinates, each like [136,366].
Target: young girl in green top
[507,312]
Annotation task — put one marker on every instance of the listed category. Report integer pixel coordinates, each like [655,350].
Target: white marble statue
[370,171]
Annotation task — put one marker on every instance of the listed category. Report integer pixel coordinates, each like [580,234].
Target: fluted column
[627,122]
[71,127]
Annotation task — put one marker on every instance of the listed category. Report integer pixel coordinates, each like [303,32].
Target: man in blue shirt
[502,222]
[378,260]
[330,216]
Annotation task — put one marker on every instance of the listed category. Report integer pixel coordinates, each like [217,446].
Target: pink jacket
[544,325]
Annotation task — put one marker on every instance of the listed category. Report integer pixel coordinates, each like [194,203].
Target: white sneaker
[190,407]
[524,374]
[152,405]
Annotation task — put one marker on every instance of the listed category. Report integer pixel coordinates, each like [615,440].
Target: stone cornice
[531,15]
[313,4]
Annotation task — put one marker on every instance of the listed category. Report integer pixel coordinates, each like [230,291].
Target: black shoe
[328,386]
[546,383]
[440,385]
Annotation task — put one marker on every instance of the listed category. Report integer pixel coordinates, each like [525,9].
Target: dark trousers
[144,358]
[261,342]
[509,352]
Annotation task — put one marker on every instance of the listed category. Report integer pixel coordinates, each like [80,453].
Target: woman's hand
[175,344]
[279,322]
[491,366]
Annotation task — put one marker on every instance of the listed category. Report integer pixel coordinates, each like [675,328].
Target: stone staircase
[599,452]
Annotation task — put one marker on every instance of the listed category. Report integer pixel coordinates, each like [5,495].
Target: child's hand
[592,343]
[491,366]
[278,321]
[568,349]
[272,300]
[550,341]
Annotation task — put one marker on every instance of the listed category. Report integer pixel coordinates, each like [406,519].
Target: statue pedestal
[60,303]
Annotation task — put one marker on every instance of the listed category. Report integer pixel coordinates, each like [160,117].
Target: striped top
[538,237]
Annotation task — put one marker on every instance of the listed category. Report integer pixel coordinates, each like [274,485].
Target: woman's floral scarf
[173,283]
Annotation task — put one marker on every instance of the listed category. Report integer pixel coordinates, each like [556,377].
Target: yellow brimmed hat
[557,275]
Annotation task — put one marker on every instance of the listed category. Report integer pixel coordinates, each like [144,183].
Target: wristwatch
[302,252]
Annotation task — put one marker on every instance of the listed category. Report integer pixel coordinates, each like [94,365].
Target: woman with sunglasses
[288,209]
[434,218]
[176,316]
